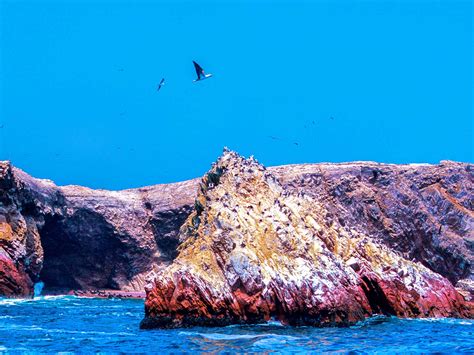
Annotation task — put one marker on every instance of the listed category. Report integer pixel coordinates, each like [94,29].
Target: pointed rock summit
[253,250]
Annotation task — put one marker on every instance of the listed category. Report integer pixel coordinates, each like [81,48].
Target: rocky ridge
[261,244]
[84,240]
[75,238]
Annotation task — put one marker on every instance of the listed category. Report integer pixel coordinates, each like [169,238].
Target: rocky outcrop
[75,238]
[319,245]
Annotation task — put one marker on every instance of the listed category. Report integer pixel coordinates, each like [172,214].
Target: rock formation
[319,245]
[307,244]
[75,238]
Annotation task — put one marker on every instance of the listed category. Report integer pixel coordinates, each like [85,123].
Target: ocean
[73,324]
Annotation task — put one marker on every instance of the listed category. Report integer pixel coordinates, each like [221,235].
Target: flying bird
[162,82]
[200,72]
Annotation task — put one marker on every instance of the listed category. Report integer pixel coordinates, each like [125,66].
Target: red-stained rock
[254,249]
[75,238]
[14,282]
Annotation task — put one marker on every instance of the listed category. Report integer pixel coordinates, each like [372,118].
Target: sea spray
[38,289]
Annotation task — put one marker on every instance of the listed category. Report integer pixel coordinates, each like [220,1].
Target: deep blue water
[67,323]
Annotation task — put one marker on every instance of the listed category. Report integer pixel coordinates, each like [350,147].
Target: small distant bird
[201,75]
[331,118]
[273,137]
[2,126]
[120,69]
[295,143]
[162,82]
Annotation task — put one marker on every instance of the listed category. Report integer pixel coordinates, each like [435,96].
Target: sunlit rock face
[317,245]
[72,237]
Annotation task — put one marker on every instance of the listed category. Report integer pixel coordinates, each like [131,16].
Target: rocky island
[310,244]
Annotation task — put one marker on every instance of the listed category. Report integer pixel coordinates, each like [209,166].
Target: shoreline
[97,294]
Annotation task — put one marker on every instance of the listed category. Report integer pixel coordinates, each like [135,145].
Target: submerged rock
[291,245]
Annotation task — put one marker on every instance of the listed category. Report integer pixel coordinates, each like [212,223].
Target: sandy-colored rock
[259,246]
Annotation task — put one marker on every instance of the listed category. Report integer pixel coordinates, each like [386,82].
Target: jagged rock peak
[233,159]
[251,251]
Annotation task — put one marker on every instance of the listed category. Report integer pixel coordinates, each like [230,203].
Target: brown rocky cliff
[314,245]
[76,238]
[73,237]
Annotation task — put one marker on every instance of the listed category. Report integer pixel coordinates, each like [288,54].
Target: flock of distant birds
[201,75]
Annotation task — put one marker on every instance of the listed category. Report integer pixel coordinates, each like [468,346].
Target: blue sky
[78,100]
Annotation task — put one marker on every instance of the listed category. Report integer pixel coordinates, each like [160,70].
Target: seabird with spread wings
[200,72]
[162,82]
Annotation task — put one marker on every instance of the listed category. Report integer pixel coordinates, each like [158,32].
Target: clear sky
[79,102]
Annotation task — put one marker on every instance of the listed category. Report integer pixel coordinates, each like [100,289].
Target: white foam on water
[18,301]
[221,336]
[218,336]
[64,331]
[442,320]
[12,301]
[269,342]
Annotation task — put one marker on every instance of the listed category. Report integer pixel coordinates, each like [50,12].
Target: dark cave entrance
[81,252]
[376,297]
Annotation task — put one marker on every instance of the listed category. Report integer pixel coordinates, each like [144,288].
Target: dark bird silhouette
[331,118]
[162,82]
[273,137]
[201,75]
[295,143]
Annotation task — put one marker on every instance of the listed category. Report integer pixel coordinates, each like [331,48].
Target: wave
[224,336]
[65,331]
[16,301]
[441,320]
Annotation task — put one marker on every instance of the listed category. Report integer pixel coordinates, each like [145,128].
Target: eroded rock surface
[76,238]
[324,244]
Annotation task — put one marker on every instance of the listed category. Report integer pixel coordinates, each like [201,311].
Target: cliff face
[319,245]
[76,238]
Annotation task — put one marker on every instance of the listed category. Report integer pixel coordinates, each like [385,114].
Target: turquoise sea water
[71,324]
